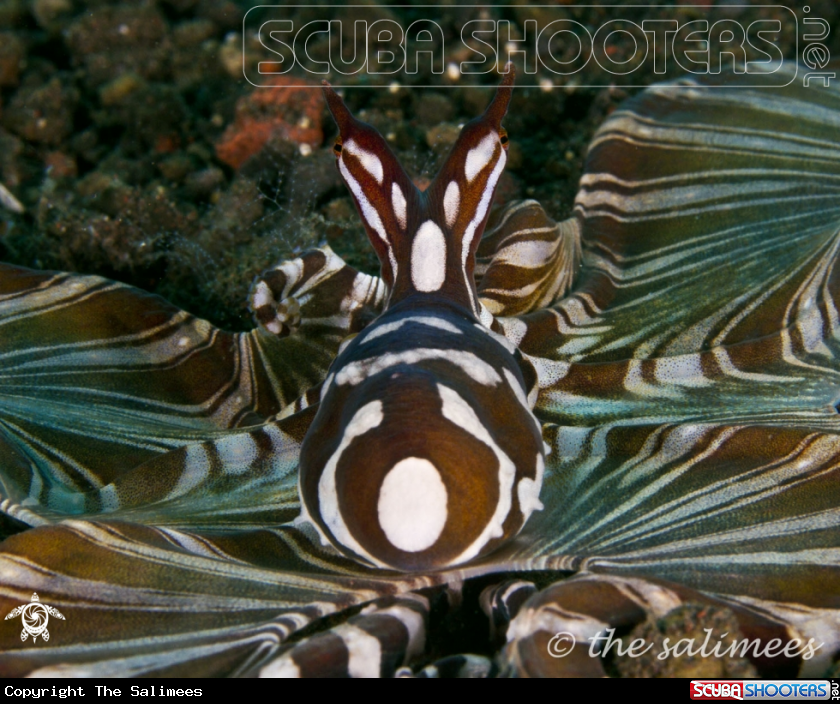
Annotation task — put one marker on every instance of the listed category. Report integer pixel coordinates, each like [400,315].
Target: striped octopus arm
[683,377]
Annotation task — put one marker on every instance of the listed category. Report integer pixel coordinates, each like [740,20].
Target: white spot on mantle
[428,258]
[412,505]
[398,203]
[451,203]
[369,161]
[479,156]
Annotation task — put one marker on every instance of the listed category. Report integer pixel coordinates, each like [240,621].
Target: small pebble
[117,91]
[60,165]
[8,201]
[46,12]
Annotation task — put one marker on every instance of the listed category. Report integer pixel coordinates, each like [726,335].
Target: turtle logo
[35,617]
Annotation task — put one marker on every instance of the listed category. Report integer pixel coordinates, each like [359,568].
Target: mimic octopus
[573,427]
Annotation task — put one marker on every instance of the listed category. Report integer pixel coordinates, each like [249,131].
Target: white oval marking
[398,203]
[451,202]
[428,258]
[478,157]
[369,161]
[237,454]
[412,505]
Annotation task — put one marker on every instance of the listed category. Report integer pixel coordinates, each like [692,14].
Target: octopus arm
[686,385]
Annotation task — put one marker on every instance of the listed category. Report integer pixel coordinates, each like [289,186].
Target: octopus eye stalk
[424,452]
[426,241]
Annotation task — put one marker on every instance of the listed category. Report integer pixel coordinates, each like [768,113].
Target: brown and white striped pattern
[526,261]
[686,385]
[386,635]
[563,630]
[317,290]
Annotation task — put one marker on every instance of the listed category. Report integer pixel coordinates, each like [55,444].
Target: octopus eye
[337,148]
[503,138]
